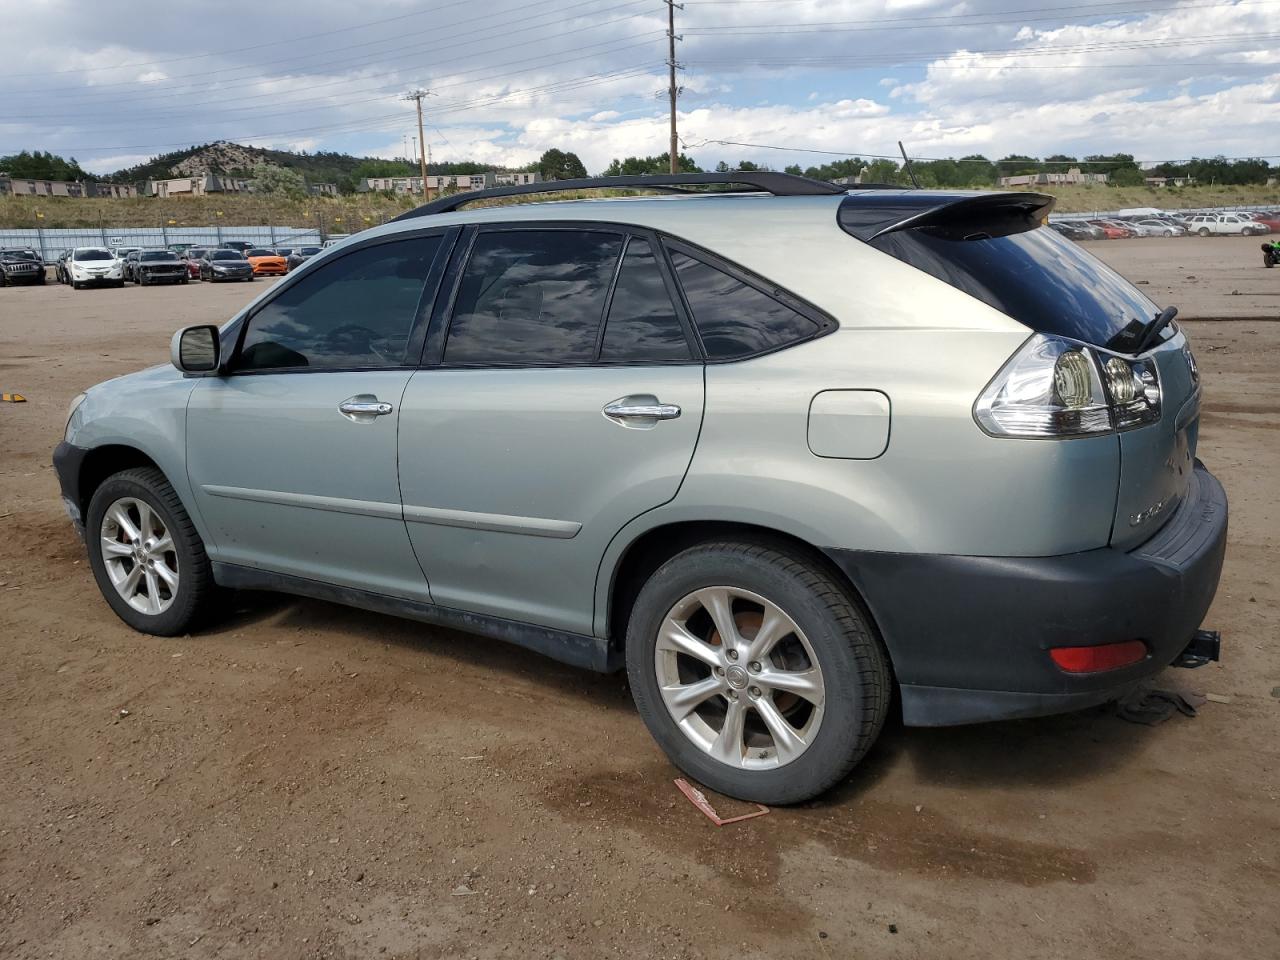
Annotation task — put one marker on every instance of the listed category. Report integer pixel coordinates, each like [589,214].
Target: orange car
[266,263]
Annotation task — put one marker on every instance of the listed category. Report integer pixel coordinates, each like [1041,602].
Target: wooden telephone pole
[417,96]
[673,150]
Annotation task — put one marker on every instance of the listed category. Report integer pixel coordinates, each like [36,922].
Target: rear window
[1037,277]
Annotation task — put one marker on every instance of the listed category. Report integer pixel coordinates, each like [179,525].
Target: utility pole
[417,96]
[672,90]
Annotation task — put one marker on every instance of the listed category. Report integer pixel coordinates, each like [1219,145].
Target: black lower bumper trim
[67,461]
[969,636]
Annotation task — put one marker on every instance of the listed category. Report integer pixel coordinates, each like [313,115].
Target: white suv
[1225,225]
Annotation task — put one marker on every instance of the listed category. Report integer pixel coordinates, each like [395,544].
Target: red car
[1271,219]
[1112,230]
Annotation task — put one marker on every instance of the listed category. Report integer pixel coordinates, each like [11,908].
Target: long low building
[197,186]
[29,187]
[458,181]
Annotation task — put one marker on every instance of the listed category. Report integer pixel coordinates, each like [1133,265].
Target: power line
[859,154]
[328,102]
[439,42]
[286,40]
[915,23]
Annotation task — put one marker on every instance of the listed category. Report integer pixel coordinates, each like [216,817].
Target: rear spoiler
[955,216]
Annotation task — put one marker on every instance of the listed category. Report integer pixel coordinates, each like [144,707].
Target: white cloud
[531,75]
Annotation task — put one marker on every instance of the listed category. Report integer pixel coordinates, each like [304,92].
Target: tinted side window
[532,296]
[642,323]
[733,318]
[356,311]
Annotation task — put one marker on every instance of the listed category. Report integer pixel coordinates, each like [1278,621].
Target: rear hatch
[994,247]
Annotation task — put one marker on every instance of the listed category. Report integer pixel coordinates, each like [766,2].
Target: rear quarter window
[736,316]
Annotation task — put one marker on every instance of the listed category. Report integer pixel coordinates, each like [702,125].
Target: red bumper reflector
[1107,656]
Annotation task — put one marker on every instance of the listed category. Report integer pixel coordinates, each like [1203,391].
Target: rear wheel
[149,561]
[1203,231]
[755,671]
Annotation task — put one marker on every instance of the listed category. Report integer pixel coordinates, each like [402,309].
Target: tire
[184,280]
[1203,231]
[1168,233]
[76,285]
[831,637]
[190,603]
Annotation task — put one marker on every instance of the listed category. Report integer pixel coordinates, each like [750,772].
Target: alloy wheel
[139,555]
[739,677]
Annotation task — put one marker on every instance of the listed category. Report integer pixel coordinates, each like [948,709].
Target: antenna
[907,163]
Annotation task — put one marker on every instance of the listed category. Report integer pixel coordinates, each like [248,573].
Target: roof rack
[778,184]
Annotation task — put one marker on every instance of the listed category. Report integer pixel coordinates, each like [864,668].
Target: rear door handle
[364,408]
[642,410]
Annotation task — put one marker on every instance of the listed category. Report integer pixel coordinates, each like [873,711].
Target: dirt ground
[311,781]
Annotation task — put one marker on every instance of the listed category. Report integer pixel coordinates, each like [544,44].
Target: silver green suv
[790,454]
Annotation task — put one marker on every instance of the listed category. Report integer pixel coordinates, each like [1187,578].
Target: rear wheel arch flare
[651,549]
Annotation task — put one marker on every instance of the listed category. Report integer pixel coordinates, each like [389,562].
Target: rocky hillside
[219,157]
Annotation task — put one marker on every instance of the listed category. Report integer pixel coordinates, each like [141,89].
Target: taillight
[1057,388]
[1106,656]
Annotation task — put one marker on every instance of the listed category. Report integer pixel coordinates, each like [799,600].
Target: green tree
[881,171]
[270,180]
[42,166]
[638,166]
[1120,168]
[1017,165]
[560,165]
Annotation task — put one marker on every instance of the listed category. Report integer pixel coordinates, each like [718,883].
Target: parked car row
[1200,224]
[178,263]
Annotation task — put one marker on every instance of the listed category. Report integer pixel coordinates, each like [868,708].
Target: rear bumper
[970,636]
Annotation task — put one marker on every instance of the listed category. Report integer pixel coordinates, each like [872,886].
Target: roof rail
[778,184]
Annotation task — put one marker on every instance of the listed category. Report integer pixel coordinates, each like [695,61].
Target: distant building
[1073,175]
[459,181]
[197,186]
[852,181]
[27,187]
[322,189]
[1169,181]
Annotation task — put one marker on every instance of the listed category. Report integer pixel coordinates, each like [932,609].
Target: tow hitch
[1202,649]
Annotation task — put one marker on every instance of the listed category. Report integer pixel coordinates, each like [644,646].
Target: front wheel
[149,561]
[756,671]
[1203,231]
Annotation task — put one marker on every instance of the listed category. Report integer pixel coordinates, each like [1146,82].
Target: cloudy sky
[775,81]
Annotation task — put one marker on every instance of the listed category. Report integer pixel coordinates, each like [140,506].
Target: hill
[234,159]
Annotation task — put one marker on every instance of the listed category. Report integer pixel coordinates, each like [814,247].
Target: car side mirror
[194,350]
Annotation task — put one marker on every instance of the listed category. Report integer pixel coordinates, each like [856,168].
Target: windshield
[150,255]
[225,255]
[19,255]
[82,255]
[1037,277]
[260,253]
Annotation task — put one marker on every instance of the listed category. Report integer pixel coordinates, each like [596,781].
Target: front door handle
[364,408]
[641,410]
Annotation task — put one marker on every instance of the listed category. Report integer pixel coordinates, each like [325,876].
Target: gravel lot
[311,781]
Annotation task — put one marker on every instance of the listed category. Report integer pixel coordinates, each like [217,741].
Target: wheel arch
[649,549]
[104,461]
